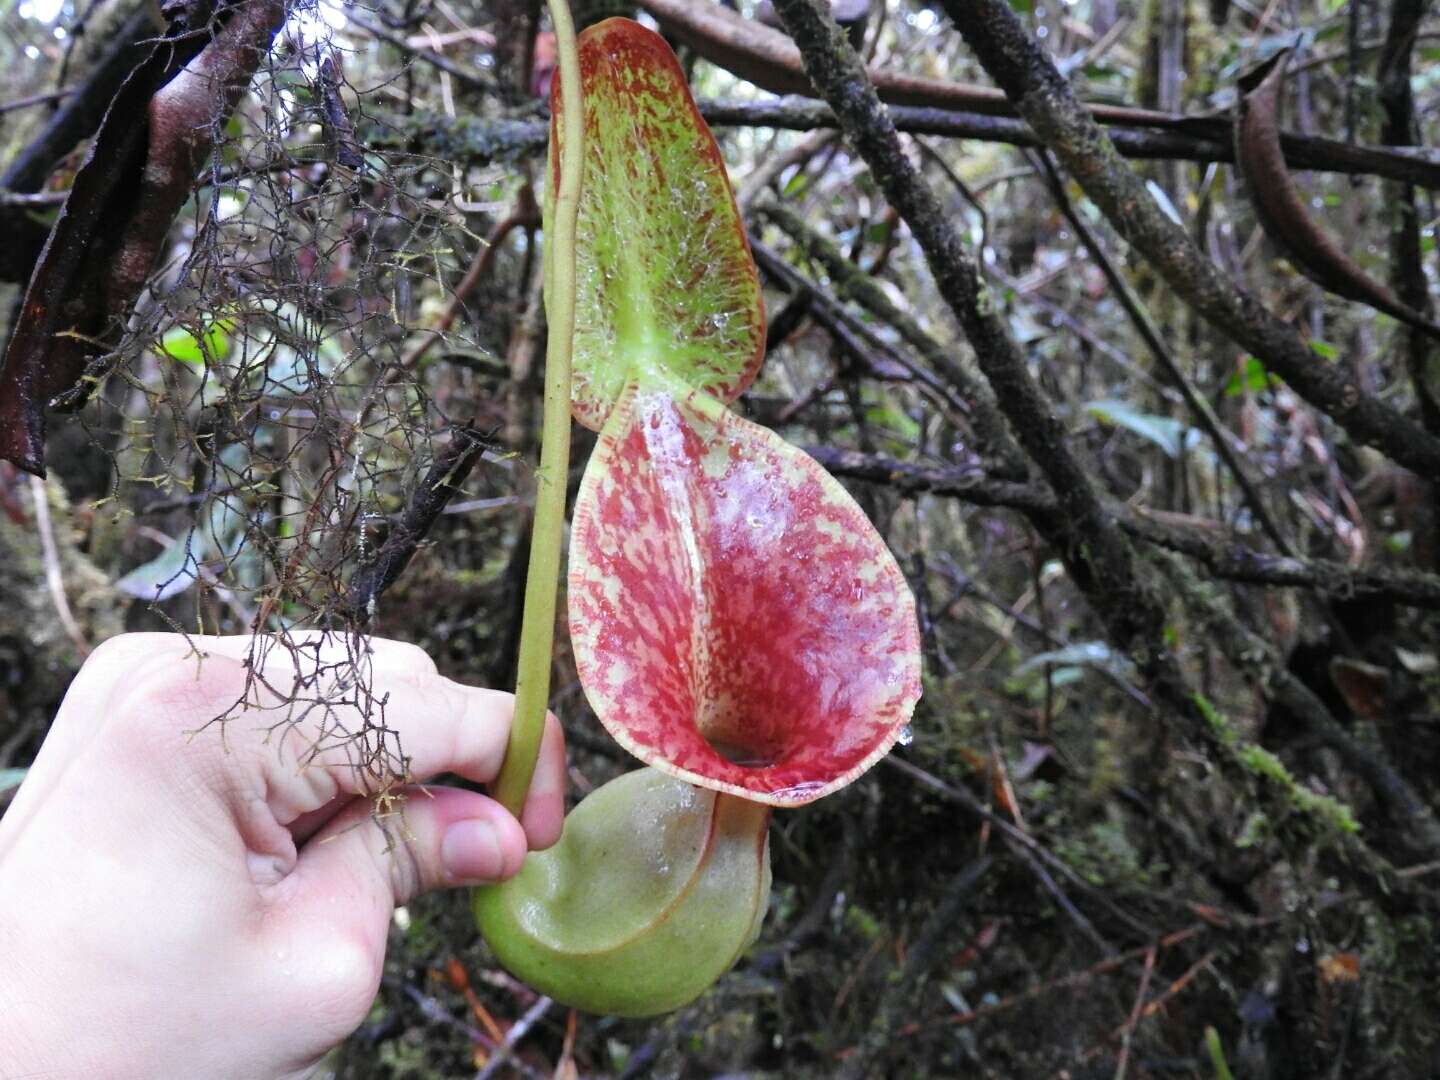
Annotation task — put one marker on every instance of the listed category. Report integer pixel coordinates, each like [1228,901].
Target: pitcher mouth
[742,756]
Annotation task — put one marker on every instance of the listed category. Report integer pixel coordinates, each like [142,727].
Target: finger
[312,821]
[334,909]
[299,752]
[543,815]
[440,838]
[291,750]
[407,728]
[308,652]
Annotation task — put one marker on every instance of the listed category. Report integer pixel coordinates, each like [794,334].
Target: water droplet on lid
[906,736]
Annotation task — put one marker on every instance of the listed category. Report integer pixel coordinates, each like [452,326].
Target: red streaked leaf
[667,291]
[737,620]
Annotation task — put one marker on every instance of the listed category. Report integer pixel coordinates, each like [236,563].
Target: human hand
[178,904]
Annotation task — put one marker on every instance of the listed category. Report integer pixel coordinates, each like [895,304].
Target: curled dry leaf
[124,199]
[1364,687]
[1280,208]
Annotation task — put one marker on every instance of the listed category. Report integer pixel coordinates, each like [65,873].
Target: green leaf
[886,415]
[1253,379]
[1168,434]
[1216,1051]
[180,344]
[667,292]
[168,574]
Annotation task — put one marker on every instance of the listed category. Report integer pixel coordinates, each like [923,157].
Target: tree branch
[1204,139]
[1407,268]
[1030,79]
[1094,549]
[141,167]
[1258,658]
[1231,561]
[446,476]
[1150,334]
[852,283]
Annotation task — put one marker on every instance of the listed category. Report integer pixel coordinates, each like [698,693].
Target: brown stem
[527,215]
[1407,270]
[445,477]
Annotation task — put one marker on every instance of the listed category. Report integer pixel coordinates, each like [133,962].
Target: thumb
[437,838]
[334,907]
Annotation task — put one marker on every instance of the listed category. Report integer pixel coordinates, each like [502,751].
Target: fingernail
[471,851]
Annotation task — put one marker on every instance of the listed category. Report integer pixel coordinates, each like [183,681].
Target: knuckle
[405,658]
[113,650]
[116,656]
[168,689]
[404,865]
[483,734]
[338,986]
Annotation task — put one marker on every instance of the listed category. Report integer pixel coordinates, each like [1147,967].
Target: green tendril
[537,628]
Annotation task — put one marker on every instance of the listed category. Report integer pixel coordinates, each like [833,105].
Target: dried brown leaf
[1280,208]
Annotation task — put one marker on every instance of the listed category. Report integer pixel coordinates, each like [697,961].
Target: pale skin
[177,904]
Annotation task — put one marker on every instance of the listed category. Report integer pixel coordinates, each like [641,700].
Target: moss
[1254,831]
[1260,763]
[1264,765]
[1219,726]
[1104,854]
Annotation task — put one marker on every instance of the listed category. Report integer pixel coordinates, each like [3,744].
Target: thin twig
[466,75]
[525,214]
[1129,1031]
[925,954]
[517,1031]
[1019,837]
[1077,978]
[34,99]
[1227,559]
[1150,334]
[1023,69]
[54,574]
